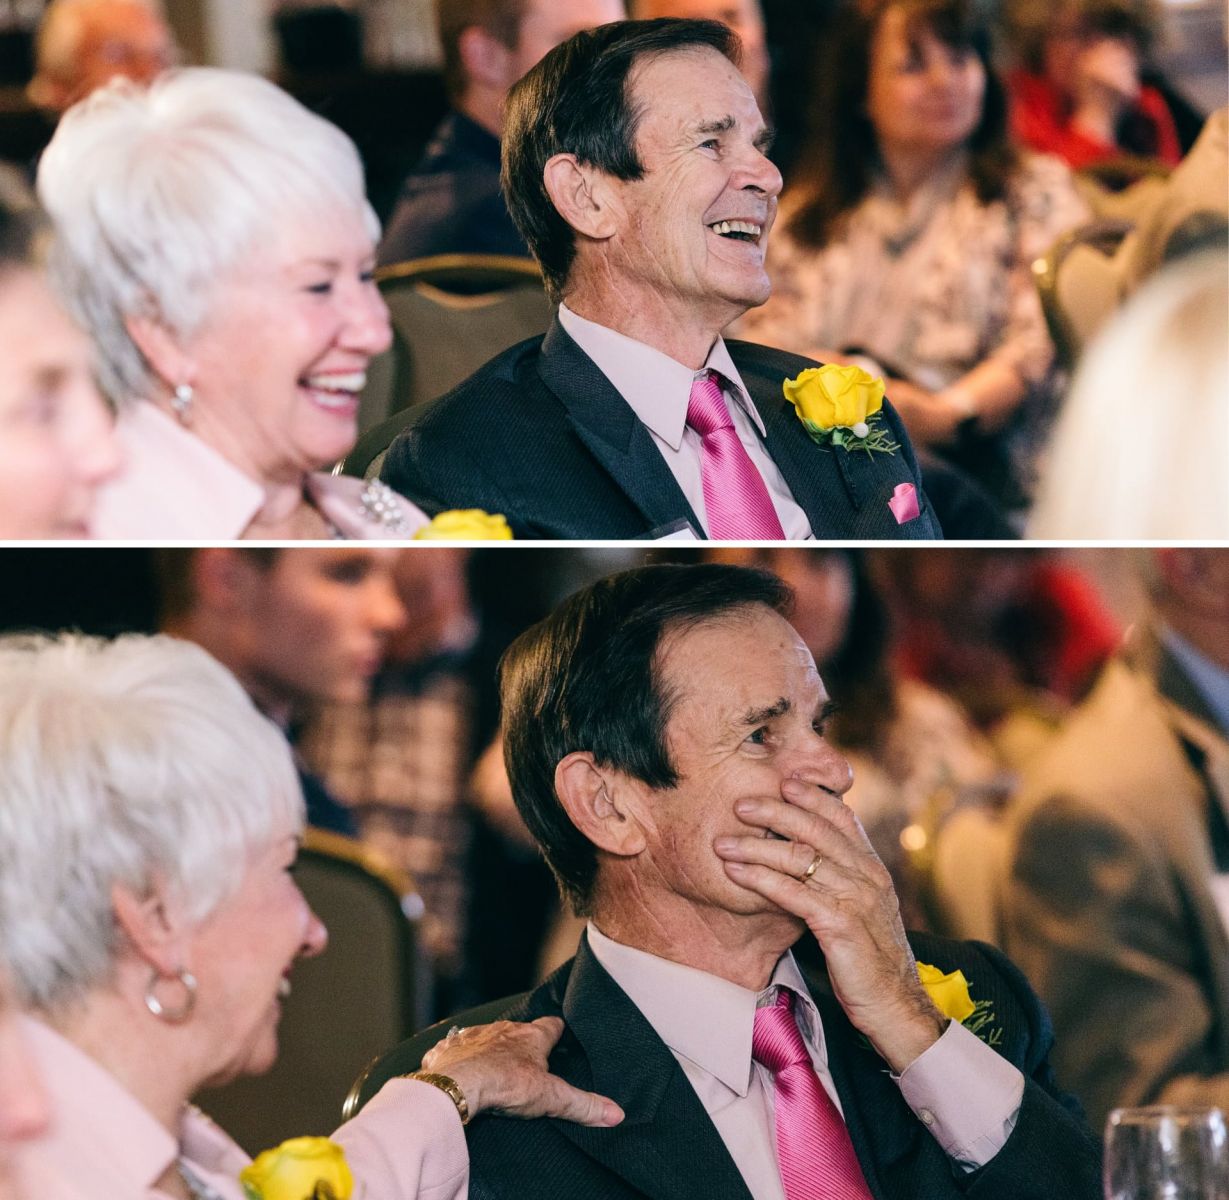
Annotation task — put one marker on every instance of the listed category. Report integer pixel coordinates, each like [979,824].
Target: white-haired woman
[216,239]
[57,443]
[149,819]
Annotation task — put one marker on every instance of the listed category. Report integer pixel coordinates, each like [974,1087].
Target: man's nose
[759,173]
[823,764]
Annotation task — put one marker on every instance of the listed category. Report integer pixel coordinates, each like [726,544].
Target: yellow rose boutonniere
[840,406]
[950,995]
[306,1168]
[465,525]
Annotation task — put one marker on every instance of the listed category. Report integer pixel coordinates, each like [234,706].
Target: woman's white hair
[1139,450]
[139,761]
[157,192]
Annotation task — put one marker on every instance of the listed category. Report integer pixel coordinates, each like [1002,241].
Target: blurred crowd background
[1016,211]
[976,689]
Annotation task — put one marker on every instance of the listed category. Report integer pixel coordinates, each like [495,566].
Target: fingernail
[735,868]
[744,807]
[723,845]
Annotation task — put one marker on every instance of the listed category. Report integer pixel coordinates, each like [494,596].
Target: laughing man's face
[694,228]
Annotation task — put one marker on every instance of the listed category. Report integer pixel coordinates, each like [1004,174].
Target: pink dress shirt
[966,1095]
[658,388]
[175,487]
[407,1144]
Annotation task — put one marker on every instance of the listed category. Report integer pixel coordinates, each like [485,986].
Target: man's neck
[742,948]
[484,107]
[646,319]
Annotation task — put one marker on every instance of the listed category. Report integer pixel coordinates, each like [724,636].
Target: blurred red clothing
[1041,120]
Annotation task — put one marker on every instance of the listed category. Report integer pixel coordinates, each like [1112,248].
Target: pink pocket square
[904,503]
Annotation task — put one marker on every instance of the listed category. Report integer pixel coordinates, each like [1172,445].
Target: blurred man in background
[1116,897]
[83,44]
[451,204]
[296,626]
[744,17]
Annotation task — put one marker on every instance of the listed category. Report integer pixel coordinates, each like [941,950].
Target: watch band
[448,1086]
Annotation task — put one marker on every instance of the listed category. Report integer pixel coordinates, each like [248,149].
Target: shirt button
[928,1118]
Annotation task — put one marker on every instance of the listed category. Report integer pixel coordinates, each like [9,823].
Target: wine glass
[1166,1152]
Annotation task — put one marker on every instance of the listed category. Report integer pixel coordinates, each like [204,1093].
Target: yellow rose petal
[465,525]
[949,993]
[299,1169]
[833,396]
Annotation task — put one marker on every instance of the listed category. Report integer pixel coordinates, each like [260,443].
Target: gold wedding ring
[812,868]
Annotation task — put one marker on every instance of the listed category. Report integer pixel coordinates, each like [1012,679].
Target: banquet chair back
[407,1057]
[450,313]
[367,991]
[1080,286]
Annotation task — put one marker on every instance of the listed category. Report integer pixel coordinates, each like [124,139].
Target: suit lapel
[666,1148]
[806,468]
[611,431]
[880,1124]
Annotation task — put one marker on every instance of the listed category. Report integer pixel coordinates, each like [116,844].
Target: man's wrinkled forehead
[677,651]
[657,98]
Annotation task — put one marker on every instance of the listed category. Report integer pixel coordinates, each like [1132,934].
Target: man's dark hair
[836,166]
[576,101]
[174,576]
[588,678]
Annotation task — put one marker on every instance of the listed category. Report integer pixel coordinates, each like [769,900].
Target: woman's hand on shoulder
[502,1067]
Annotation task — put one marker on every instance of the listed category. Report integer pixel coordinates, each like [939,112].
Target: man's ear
[596,800]
[157,935]
[162,350]
[485,59]
[581,195]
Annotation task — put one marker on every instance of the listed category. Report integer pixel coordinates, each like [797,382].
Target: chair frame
[1099,234]
[402,896]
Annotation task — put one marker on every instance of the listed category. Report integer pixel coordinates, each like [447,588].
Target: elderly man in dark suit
[665,744]
[634,165]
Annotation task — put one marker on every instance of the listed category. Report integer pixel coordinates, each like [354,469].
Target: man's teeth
[350,384]
[283,988]
[725,228]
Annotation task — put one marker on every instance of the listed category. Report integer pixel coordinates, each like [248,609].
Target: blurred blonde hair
[1141,446]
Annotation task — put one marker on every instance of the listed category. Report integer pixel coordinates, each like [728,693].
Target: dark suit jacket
[540,435]
[668,1149]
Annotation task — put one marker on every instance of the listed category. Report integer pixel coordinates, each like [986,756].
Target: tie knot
[775,1039]
[706,409]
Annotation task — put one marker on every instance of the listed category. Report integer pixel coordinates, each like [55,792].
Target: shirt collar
[130,1142]
[196,493]
[706,1019]
[1209,679]
[657,387]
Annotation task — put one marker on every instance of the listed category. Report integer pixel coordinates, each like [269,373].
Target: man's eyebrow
[757,716]
[763,141]
[724,125]
[826,712]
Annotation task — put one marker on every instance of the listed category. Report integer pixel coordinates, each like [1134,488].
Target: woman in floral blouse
[909,236]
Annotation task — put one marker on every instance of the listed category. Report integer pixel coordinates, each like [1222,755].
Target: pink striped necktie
[814,1153]
[736,502]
